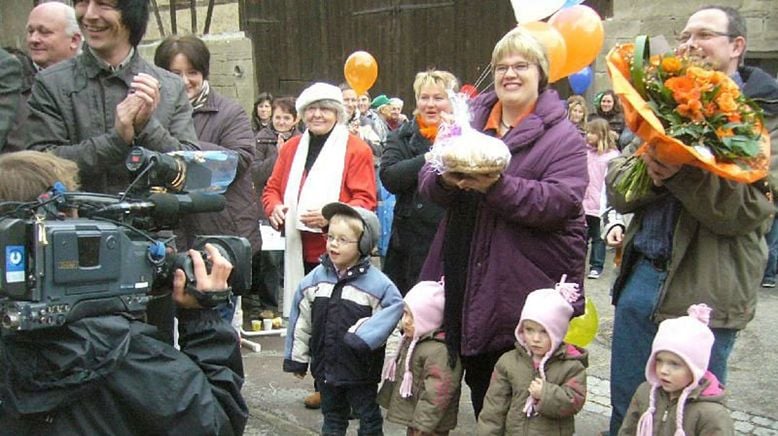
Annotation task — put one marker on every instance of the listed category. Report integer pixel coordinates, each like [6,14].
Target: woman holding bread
[415,219]
[508,233]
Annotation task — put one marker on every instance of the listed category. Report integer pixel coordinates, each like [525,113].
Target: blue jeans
[597,254]
[633,335]
[772,247]
[338,401]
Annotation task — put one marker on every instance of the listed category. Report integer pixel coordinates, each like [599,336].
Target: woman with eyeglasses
[507,234]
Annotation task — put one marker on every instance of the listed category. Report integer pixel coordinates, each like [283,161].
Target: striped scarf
[199,100]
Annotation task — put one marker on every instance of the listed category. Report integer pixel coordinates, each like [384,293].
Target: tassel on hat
[690,338]
[425,301]
[551,308]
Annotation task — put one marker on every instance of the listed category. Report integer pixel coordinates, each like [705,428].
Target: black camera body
[55,270]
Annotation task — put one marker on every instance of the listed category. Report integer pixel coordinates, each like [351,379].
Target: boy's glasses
[339,240]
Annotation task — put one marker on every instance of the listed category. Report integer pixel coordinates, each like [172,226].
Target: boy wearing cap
[681,396]
[342,313]
[538,387]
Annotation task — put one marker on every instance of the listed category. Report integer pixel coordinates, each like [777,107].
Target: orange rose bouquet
[689,113]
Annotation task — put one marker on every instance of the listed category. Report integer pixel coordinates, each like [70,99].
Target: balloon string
[485,75]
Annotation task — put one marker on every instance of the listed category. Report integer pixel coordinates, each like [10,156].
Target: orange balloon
[555,46]
[581,28]
[361,71]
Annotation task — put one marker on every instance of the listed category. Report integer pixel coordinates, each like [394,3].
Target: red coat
[358,187]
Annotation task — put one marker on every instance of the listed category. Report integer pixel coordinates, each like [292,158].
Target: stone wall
[668,17]
[232,67]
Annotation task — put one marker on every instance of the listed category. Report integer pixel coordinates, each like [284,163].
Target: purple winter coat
[529,229]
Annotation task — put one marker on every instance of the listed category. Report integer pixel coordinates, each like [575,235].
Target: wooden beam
[173,24]
[158,17]
[208,16]
[193,13]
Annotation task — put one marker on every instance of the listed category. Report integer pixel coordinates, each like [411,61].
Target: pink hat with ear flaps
[552,309]
[425,301]
[691,339]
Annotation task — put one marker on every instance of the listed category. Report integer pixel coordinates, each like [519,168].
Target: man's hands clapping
[136,109]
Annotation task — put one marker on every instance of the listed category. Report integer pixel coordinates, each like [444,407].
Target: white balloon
[534,10]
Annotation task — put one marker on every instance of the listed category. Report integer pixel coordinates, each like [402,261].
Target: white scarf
[322,186]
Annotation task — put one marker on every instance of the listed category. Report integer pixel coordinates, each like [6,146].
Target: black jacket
[415,219]
[109,375]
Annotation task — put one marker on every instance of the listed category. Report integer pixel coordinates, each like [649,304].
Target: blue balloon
[581,80]
[570,3]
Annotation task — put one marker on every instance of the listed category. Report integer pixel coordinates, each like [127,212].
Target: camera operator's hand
[215,281]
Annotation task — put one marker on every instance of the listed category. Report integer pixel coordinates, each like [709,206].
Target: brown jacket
[222,124]
[433,406]
[563,394]
[703,414]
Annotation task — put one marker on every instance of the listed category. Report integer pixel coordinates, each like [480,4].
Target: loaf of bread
[472,152]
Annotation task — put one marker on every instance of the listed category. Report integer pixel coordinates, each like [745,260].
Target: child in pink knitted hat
[426,396]
[538,387]
[680,395]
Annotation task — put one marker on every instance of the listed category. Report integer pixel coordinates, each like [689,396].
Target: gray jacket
[72,113]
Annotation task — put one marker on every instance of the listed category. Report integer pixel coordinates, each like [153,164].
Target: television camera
[113,257]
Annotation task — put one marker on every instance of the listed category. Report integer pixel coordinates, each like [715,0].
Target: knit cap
[425,301]
[691,339]
[552,309]
[317,92]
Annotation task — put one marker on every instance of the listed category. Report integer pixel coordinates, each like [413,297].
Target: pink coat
[597,165]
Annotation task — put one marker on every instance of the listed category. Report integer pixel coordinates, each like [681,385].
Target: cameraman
[108,374]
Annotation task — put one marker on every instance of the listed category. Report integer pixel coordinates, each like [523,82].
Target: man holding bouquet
[695,236]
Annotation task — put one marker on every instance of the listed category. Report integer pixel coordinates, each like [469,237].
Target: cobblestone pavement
[598,402]
[275,398]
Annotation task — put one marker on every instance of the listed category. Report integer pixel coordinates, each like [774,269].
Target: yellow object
[584,328]
[256,325]
[278,323]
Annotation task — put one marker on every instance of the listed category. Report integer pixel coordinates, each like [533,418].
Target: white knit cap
[317,92]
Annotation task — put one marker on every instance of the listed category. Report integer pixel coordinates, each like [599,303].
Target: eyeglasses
[519,67]
[701,35]
[339,240]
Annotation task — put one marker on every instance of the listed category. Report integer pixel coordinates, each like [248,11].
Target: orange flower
[726,102]
[721,132]
[691,110]
[683,88]
[671,65]
[709,109]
